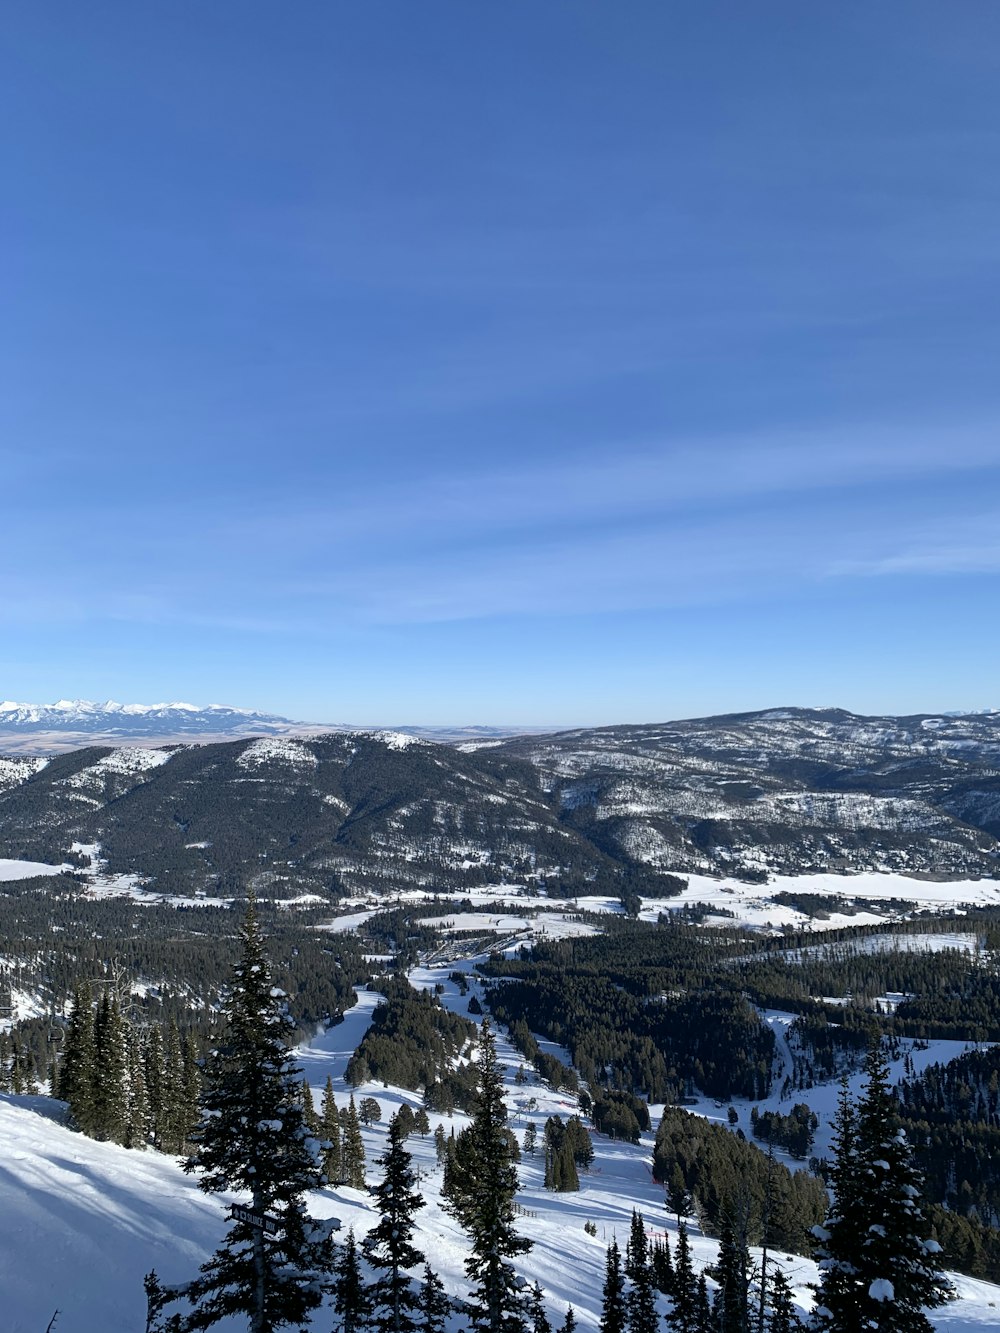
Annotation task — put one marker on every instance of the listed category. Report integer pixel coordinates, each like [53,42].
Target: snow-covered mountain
[135,721]
[68,724]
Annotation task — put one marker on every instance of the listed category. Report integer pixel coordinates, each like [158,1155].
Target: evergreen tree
[568,1325]
[782,1317]
[350,1297]
[440,1144]
[531,1139]
[152,1068]
[640,1303]
[352,1149]
[663,1266]
[837,1309]
[177,1117]
[388,1247]
[434,1303]
[479,1187]
[329,1132]
[880,1268]
[110,1071]
[76,1076]
[732,1299]
[253,1137]
[684,1316]
[613,1300]
[702,1307]
[137,1118]
[538,1319]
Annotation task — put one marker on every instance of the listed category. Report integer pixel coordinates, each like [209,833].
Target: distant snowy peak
[73,722]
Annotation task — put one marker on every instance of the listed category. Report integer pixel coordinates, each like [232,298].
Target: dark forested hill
[588,811]
[787,789]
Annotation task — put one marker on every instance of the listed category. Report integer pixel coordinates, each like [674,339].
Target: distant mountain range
[70,723]
[589,811]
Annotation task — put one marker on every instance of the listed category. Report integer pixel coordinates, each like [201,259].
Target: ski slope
[83,1221]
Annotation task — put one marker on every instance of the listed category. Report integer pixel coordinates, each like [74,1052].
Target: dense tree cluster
[793,1131]
[413,1041]
[713,1166]
[128,1084]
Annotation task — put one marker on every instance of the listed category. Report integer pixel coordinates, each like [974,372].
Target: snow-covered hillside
[83,1221]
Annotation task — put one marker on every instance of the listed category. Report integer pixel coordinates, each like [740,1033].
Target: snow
[27,869]
[272,750]
[84,1221]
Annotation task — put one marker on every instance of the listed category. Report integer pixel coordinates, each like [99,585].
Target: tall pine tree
[613,1297]
[479,1187]
[388,1246]
[253,1138]
[880,1268]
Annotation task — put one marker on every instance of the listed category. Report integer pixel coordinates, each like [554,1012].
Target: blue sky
[544,362]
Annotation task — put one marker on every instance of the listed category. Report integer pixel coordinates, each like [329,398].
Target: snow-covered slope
[83,1221]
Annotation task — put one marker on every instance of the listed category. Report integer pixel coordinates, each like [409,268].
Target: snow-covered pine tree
[613,1299]
[838,1239]
[880,1268]
[253,1138]
[388,1246]
[479,1187]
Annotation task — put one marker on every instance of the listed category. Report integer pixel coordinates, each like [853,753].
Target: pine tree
[732,1299]
[137,1117]
[684,1316]
[702,1307]
[110,1071]
[152,1067]
[880,1269]
[388,1246]
[329,1132]
[253,1137]
[782,1316]
[479,1187]
[538,1318]
[663,1267]
[352,1149]
[568,1325]
[640,1303]
[76,1076]
[350,1297]
[613,1300]
[434,1303]
[837,1310]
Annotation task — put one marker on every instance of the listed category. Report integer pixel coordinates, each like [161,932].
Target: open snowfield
[27,869]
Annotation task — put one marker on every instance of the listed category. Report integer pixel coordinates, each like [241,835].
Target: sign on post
[239,1213]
